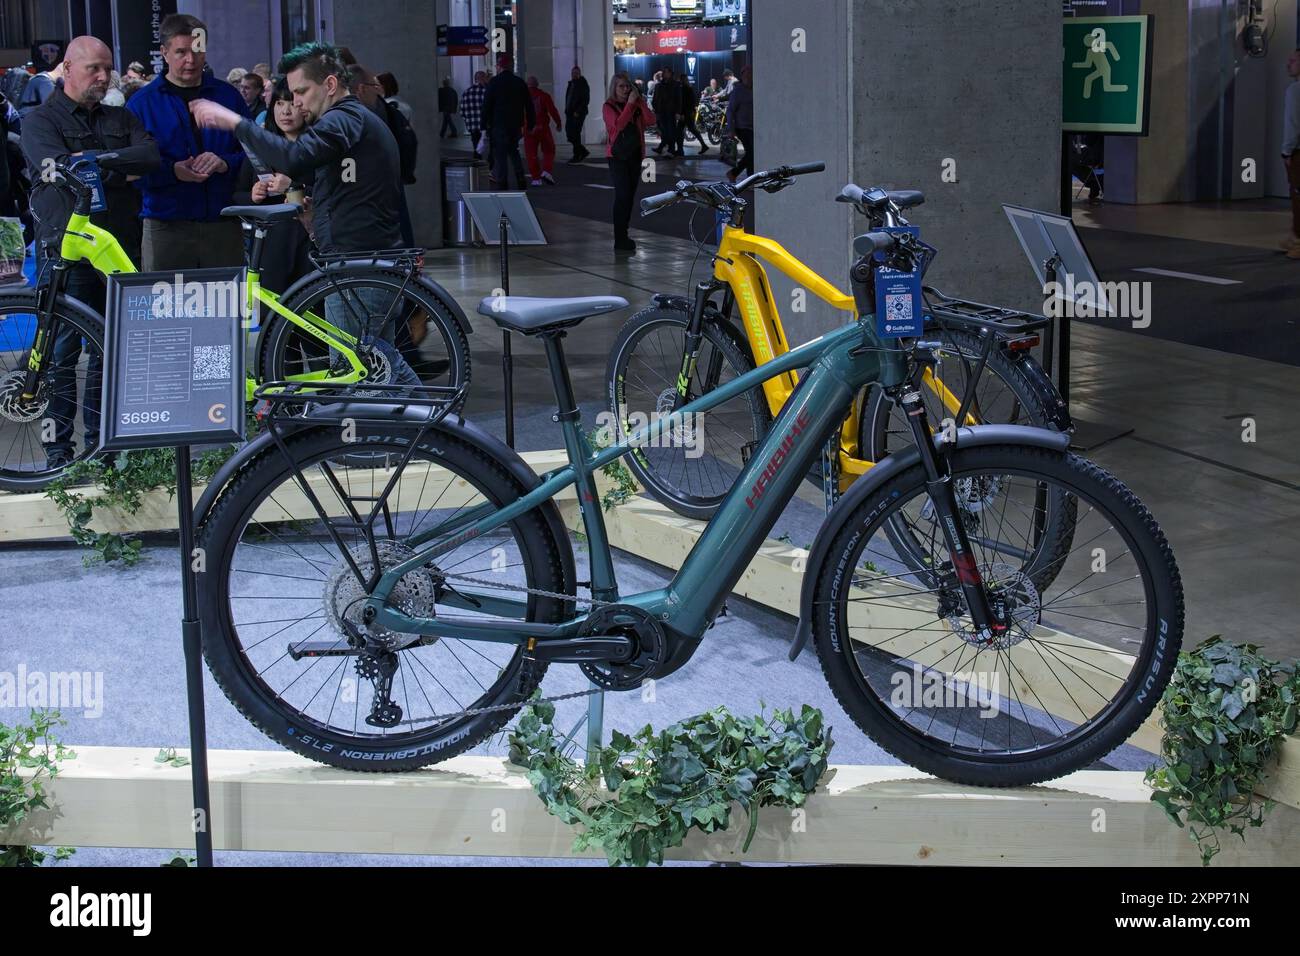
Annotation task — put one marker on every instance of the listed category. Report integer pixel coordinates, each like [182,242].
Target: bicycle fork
[939,486]
[42,350]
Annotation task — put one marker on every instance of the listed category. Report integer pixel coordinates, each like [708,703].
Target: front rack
[404,258]
[410,406]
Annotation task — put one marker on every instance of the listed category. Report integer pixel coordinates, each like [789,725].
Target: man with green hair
[349,155]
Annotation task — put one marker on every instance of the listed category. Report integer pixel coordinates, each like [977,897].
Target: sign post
[174,377]
[510,217]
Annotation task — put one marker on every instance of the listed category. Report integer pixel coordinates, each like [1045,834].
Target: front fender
[876,476]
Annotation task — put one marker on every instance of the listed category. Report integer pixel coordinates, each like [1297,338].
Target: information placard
[174,359]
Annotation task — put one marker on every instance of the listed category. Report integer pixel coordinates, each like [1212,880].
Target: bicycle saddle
[268,213]
[531,315]
[875,197]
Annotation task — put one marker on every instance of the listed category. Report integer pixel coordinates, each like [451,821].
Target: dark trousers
[573,130]
[688,126]
[746,137]
[505,151]
[625,176]
[447,124]
[1293,177]
[668,132]
[82,282]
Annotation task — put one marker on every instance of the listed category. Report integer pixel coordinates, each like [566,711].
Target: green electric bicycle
[52,344]
[392,616]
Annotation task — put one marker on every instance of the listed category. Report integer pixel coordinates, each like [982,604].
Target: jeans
[447,124]
[360,312]
[625,176]
[82,283]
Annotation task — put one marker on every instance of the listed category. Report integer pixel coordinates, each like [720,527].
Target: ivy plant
[625,486]
[658,785]
[28,747]
[1225,713]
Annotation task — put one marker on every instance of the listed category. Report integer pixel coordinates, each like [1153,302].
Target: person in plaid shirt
[471,107]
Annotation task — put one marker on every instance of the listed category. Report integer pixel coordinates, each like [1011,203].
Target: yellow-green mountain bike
[52,344]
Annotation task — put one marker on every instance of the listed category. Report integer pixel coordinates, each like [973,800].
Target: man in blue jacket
[182,201]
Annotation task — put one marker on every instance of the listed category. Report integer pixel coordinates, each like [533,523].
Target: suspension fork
[939,486]
[691,350]
[42,351]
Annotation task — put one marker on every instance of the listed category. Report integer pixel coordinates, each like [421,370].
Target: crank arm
[578,650]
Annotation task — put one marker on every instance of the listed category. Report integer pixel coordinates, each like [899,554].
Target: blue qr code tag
[898,303]
[89,174]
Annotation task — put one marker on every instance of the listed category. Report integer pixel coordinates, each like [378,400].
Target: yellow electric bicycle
[678,349]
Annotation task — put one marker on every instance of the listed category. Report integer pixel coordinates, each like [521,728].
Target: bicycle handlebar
[658,201]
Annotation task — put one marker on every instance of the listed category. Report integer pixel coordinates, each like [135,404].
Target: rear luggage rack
[1009,322]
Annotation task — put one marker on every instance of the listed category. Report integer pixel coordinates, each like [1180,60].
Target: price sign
[174,359]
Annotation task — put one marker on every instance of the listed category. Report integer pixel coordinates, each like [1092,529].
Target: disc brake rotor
[12,406]
[1014,601]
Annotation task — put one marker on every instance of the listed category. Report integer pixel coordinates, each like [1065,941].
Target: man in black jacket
[73,121]
[447,104]
[507,109]
[356,193]
[667,106]
[577,102]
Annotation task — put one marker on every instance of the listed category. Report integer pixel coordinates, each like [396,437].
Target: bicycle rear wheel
[279,588]
[41,437]
[1081,663]
[406,314]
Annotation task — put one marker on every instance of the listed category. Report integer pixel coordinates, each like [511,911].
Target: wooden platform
[480,806]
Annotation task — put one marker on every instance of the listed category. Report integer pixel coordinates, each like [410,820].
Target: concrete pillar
[401,42]
[892,93]
[596,59]
[554,35]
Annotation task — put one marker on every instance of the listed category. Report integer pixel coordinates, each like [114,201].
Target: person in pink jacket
[539,139]
[626,119]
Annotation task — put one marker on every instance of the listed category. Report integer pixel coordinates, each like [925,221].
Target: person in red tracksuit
[539,139]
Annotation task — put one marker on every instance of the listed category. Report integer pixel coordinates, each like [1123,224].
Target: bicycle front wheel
[40,437]
[693,466]
[282,598]
[1086,643]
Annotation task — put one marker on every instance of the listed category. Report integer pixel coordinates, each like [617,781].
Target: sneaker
[1294,252]
[624,245]
[548,178]
[703,150]
[535,182]
[1289,243]
[575,161]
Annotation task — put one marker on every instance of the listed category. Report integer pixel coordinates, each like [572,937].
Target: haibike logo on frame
[778,456]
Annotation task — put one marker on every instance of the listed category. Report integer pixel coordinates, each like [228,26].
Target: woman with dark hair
[626,119]
[284,253]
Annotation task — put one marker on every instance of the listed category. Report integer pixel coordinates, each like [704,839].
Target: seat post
[258,232]
[564,397]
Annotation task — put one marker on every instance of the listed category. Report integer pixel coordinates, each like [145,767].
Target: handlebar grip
[653,203]
[872,242]
[851,193]
[802,169]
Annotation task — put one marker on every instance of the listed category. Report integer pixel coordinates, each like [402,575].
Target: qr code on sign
[898,308]
[211,362]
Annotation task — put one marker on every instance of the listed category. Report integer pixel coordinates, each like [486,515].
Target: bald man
[71,122]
